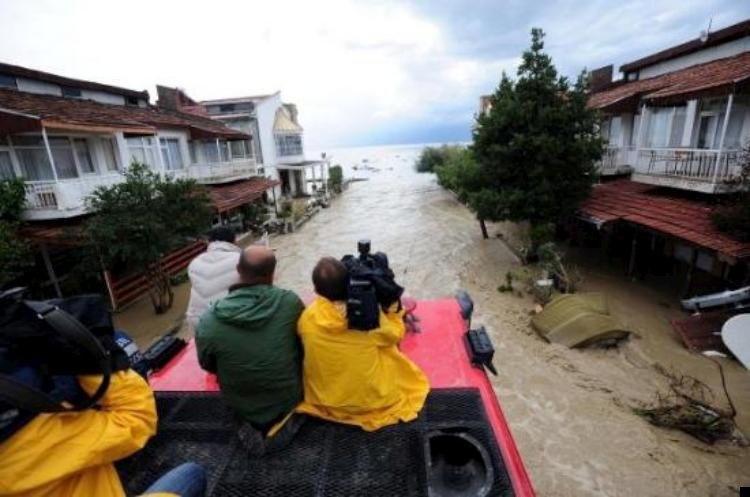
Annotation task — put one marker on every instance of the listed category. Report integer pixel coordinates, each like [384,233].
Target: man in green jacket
[249,339]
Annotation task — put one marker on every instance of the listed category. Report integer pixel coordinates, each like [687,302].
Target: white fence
[66,194]
[712,166]
[218,171]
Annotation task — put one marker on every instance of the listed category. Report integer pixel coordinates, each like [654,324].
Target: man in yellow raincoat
[71,454]
[355,377]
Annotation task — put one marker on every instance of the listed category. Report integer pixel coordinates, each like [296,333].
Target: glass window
[84,156]
[636,130]
[6,166]
[288,144]
[678,127]
[141,150]
[658,124]
[69,91]
[109,148]
[615,129]
[34,160]
[226,108]
[238,148]
[224,150]
[171,153]
[210,152]
[7,81]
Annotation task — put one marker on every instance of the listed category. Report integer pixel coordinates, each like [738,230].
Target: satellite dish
[736,336]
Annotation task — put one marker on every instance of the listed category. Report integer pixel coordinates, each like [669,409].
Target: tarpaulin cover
[578,320]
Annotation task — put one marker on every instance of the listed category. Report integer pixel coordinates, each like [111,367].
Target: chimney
[600,78]
[168,98]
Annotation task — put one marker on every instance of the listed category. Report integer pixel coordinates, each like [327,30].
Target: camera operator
[352,376]
[71,452]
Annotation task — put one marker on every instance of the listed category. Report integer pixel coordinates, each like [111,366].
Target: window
[210,152]
[141,150]
[131,101]
[239,149]
[7,81]
[636,131]
[109,148]
[34,160]
[69,91]
[288,144]
[615,129]
[83,154]
[6,166]
[171,153]
[665,127]
[226,108]
[192,148]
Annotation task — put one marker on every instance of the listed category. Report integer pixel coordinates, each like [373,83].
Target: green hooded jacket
[249,339]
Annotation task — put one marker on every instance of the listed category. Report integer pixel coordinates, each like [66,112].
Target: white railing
[712,166]
[65,194]
[616,160]
[217,172]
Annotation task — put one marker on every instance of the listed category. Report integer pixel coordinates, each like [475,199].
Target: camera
[371,286]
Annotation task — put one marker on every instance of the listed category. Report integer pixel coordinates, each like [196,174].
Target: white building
[65,137]
[678,118]
[279,140]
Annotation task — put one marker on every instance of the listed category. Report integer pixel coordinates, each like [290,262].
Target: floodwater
[569,410]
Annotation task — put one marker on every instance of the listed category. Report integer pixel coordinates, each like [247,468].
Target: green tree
[138,221]
[335,178]
[535,150]
[15,255]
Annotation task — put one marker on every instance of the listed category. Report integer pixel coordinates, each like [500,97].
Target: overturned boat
[460,445]
[729,298]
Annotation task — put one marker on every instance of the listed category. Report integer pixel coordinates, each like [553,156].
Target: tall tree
[15,255]
[536,148]
[139,220]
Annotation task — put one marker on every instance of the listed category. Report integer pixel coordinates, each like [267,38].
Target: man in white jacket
[212,273]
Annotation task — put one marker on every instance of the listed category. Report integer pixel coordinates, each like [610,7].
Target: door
[708,131]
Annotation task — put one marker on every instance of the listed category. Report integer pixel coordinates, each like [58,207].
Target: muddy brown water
[569,410]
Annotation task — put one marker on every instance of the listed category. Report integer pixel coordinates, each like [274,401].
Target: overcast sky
[360,72]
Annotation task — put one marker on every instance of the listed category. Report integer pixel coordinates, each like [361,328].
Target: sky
[361,73]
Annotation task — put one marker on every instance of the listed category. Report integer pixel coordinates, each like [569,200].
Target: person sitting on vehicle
[249,339]
[72,453]
[355,377]
[212,273]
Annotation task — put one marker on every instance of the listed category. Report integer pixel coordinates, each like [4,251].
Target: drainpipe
[49,153]
[724,127]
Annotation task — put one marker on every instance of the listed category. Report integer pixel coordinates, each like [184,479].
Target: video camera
[371,286]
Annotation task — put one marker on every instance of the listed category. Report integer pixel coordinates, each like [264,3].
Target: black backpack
[54,339]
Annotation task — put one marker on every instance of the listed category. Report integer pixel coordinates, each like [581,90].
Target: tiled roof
[59,112]
[24,72]
[715,76]
[232,195]
[652,207]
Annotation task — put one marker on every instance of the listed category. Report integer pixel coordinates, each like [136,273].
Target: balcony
[699,170]
[218,172]
[616,161]
[63,198]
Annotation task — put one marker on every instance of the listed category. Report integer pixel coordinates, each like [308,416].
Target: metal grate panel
[325,459]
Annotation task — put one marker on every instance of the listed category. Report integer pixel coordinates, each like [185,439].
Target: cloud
[360,72]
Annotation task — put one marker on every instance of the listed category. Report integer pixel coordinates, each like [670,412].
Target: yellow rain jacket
[71,454]
[357,377]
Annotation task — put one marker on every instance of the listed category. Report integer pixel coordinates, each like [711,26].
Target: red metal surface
[701,332]
[439,350]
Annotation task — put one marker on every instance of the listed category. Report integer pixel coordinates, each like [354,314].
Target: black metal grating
[325,459]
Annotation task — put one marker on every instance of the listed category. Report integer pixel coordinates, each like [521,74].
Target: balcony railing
[63,198]
[692,169]
[616,160]
[218,172]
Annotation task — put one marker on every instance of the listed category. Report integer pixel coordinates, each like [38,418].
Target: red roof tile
[59,112]
[232,195]
[715,76]
[651,207]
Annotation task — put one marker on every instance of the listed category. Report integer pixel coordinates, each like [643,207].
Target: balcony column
[159,156]
[724,127]
[218,151]
[49,153]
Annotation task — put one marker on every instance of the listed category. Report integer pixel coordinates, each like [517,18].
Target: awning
[232,195]
[669,213]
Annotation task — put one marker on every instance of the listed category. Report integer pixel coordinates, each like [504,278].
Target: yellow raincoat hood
[357,377]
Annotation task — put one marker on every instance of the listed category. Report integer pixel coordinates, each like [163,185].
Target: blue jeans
[186,480]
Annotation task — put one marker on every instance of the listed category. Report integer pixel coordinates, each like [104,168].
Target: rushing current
[569,410]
